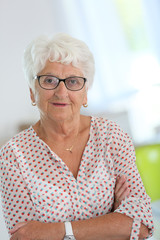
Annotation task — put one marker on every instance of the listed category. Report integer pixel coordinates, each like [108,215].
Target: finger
[118,201]
[119,182]
[18,226]
[124,194]
[14,237]
[123,188]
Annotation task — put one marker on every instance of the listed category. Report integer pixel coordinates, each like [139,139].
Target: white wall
[20,22]
[3,231]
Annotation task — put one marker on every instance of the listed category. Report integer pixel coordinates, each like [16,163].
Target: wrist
[68,231]
[58,229]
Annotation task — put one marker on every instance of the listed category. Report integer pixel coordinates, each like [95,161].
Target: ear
[32,95]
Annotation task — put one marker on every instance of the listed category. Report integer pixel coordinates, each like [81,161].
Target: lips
[60,104]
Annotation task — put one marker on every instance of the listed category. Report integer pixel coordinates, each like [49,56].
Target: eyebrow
[51,74]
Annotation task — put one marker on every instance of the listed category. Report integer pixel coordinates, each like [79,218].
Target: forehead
[61,70]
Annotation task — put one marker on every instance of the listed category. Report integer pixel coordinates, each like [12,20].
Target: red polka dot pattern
[37,185]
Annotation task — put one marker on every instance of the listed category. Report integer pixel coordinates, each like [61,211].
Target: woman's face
[60,103]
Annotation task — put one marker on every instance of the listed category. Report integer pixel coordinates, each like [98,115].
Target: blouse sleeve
[16,203]
[137,205]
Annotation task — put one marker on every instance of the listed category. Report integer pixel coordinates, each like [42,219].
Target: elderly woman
[58,176]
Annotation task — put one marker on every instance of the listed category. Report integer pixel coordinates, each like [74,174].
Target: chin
[60,117]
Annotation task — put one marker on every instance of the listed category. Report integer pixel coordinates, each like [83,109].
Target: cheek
[42,98]
[79,98]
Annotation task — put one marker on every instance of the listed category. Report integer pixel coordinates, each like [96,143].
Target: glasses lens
[48,82]
[74,83]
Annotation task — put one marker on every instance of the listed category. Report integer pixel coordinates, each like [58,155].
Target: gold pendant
[69,149]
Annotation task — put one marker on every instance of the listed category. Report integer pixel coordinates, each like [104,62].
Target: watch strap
[69,231]
[68,228]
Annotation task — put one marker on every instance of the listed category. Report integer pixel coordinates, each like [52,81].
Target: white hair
[61,48]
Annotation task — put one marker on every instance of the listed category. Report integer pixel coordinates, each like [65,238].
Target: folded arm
[110,226]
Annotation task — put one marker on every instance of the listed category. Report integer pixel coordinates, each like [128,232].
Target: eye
[73,81]
[50,80]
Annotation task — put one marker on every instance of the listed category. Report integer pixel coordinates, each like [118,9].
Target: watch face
[69,237]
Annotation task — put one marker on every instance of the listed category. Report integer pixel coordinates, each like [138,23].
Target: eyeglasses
[50,82]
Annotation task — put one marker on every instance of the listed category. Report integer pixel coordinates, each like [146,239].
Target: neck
[58,129]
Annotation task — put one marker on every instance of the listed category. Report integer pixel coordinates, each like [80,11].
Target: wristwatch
[69,232]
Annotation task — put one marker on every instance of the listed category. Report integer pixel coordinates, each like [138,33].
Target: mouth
[60,104]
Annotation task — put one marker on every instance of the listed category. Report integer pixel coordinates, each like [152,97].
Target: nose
[61,90]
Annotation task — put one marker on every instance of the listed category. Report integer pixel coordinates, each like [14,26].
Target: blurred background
[124,37]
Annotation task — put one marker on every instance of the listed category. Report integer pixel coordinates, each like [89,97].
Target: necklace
[69,149]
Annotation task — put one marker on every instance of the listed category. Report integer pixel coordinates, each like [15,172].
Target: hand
[33,230]
[121,191]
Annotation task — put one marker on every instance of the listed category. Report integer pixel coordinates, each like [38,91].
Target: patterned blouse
[37,185]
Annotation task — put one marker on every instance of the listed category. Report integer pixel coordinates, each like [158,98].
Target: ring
[117,200]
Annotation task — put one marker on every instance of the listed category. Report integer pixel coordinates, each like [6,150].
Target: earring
[85,105]
[33,104]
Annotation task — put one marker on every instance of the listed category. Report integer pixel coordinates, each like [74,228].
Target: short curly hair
[60,48]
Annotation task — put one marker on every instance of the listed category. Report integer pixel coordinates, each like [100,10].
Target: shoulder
[110,129]
[113,139]
[15,142]
[105,124]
